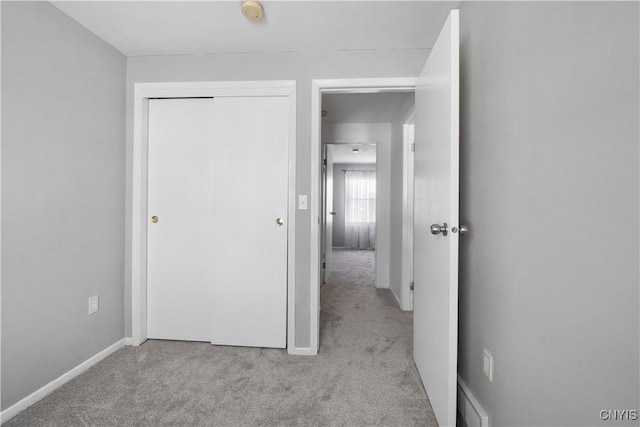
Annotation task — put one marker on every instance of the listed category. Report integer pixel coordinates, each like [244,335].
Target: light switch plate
[302,202]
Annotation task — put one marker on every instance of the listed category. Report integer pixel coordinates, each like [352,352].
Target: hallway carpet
[363,376]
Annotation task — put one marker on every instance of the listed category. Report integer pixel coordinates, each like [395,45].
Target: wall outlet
[94,304]
[487,364]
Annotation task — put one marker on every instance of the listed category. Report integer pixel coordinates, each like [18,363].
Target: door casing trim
[142,93]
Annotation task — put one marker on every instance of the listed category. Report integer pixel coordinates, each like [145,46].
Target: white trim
[128,341]
[37,395]
[368,85]
[291,226]
[142,93]
[382,285]
[407,212]
[318,87]
[314,218]
[302,351]
[469,401]
[397,299]
[410,117]
[1,417]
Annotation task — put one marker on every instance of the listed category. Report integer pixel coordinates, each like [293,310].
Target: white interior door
[180,243]
[249,263]
[436,202]
[218,185]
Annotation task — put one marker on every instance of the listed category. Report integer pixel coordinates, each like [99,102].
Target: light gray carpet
[363,376]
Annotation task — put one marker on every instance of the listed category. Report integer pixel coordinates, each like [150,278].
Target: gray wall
[63,133]
[338,199]
[549,152]
[302,67]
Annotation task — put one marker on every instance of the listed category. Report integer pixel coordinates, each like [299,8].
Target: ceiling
[343,153]
[140,28]
[364,107]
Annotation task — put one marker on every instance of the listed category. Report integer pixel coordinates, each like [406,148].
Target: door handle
[463,230]
[279,221]
[437,229]
[154,219]
[332,213]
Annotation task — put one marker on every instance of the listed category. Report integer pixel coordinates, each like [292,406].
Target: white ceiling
[343,153]
[364,107]
[138,28]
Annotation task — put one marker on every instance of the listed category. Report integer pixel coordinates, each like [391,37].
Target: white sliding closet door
[250,160]
[180,243]
[217,256]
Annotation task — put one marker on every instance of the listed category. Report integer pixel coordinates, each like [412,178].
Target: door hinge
[324,162]
[324,265]
[411,285]
[413,146]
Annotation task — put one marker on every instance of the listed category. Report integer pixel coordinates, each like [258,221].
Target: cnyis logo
[619,415]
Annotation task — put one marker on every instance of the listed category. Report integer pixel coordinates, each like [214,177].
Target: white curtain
[360,209]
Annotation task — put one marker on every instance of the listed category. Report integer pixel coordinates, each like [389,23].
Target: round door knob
[437,229]
[279,221]
[463,230]
[154,219]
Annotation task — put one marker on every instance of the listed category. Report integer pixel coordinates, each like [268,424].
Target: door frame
[318,88]
[406,301]
[323,195]
[142,93]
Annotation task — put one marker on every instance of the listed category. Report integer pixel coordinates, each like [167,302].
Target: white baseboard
[382,286]
[23,404]
[469,407]
[131,341]
[301,351]
[400,304]
[397,298]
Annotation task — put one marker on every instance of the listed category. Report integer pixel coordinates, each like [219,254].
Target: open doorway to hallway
[437,111]
[366,151]
[350,205]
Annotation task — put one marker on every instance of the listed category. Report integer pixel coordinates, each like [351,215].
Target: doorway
[350,204]
[364,138]
[436,179]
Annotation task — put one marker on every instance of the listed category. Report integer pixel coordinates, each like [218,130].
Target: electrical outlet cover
[487,364]
[94,304]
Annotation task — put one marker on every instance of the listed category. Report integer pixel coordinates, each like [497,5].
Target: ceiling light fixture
[252,10]
[356,150]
